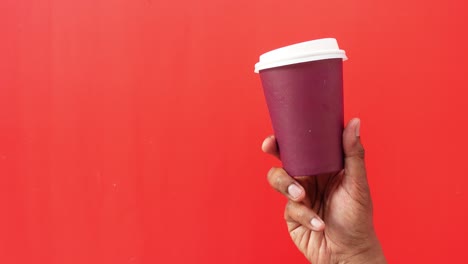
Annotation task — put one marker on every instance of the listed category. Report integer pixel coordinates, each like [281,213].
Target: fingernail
[317,223]
[294,191]
[358,127]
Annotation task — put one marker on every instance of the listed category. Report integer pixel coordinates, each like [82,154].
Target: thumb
[355,169]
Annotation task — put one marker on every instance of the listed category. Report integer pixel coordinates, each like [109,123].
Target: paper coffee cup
[303,87]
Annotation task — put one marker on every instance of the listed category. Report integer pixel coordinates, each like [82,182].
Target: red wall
[130,131]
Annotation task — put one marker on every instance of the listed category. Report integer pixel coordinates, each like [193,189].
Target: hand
[329,216]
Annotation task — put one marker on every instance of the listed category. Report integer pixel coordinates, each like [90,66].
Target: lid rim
[313,50]
[302,59]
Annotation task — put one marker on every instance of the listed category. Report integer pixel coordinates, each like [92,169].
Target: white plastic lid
[319,49]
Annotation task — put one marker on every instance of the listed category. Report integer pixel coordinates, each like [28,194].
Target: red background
[130,131]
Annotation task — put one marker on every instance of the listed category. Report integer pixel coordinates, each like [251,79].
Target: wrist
[373,254]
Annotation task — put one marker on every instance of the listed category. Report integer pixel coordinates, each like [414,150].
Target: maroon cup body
[305,101]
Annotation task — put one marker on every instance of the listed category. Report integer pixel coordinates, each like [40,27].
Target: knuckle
[290,207]
[359,152]
[278,181]
[271,173]
[276,177]
[299,214]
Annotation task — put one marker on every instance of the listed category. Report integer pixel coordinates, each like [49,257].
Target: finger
[300,213]
[270,146]
[285,184]
[355,167]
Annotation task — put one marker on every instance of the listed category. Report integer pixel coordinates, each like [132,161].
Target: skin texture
[329,216]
